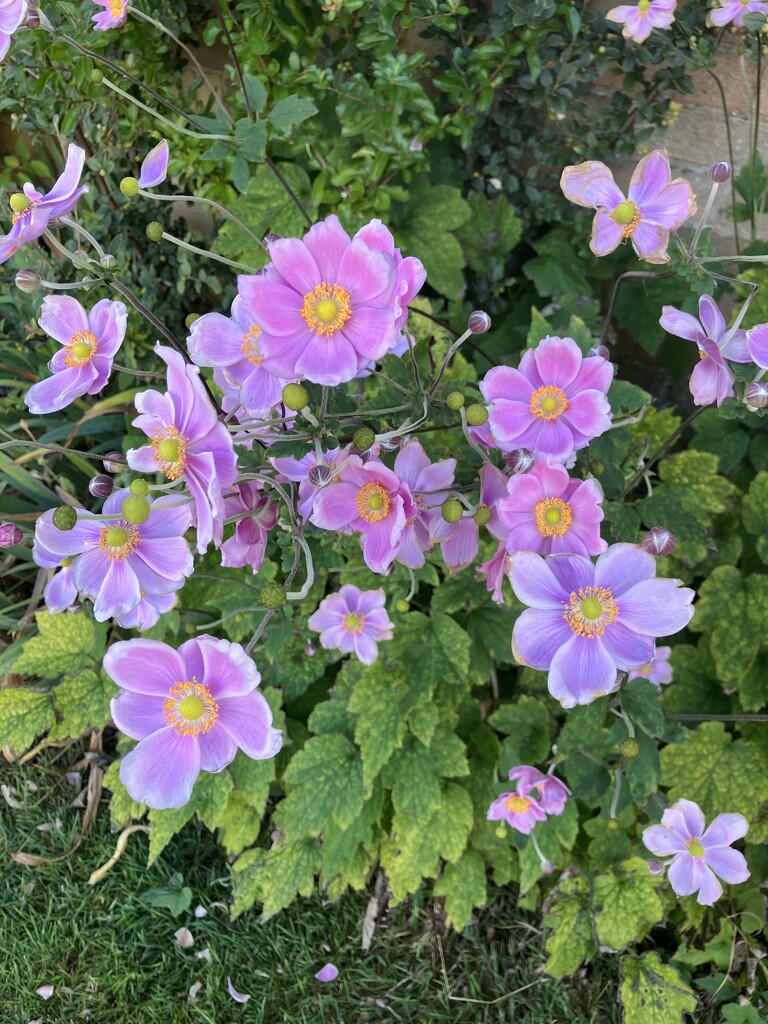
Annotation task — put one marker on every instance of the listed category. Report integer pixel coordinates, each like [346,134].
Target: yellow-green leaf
[653,993]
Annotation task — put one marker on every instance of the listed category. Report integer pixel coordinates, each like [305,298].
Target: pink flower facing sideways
[586,622]
[429,484]
[190,709]
[537,796]
[90,342]
[187,442]
[655,205]
[554,403]
[258,515]
[658,671]
[712,380]
[699,855]
[113,15]
[12,15]
[154,167]
[353,620]
[640,19]
[732,12]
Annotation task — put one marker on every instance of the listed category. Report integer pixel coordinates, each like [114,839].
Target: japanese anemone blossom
[331,310]
[586,622]
[113,562]
[12,14]
[154,167]
[655,205]
[640,19]
[32,219]
[460,542]
[82,366]
[536,797]
[757,345]
[711,380]
[698,857]
[353,620]
[546,511]
[187,441]
[411,274]
[553,404]
[658,671]
[113,15]
[429,484]
[190,709]
[312,473]
[258,515]
[732,12]
[370,499]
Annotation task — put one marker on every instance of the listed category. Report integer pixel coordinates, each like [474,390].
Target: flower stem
[160,117]
[206,252]
[203,201]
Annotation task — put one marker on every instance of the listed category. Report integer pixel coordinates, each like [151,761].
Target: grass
[112,957]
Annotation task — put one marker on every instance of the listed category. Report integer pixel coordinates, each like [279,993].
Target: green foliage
[652,992]
[24,715]
[66,645]
[463,886]
[425,225]
[628,903]
[569,917]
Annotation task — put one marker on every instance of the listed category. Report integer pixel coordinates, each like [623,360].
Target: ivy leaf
[290,112]
[463,886]
[629,904]
[275,877]
[66,645]
[380,729]
[324,780]
[652,992]
[570,942]
[732,609]
[82,701]
[24,714]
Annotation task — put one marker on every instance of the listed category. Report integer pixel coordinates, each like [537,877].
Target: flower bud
[599,350]
[613,825]
[81,259]
[10,534]
[547,867]
[310,650]
[500,832]
[756,395]
[319,475]
[139,488]
[596,467]
[363,439]
[154,231]
[482,515]
[402,606]
[720,172]
[520,460]
[114,467]
[452,510]
[129,187]
[272,596]
[295,397]
[656,867]
[135,510]
[629,747]
[659,541]
[65,518]
[32,19]
[107,261]
[28,281]
[190,318]
[479,322]
[101,486]
[477,415]
[97,77]
[455,401]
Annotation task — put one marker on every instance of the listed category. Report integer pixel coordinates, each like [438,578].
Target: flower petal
[154,166]
[656,607]
[581,671]
[137,716]
[591,184]
[538,636]
[534,582]
[162,769]
[144,666]
[248,720]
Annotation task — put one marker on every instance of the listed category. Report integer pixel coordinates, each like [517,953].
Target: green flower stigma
[19,202]
[695,848]
[191,708]
[624,212]
[116,537]
[591,608]
[168,450]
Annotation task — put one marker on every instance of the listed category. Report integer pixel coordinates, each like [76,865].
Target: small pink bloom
[312,474]
[496,570]
[10,534]
[551,792]
[429,484]
[155,165]
[519,811]
[113,15]
[658,671]
[640,19]
[353,620]
[12,15]
[731,12]
[258,515]
[328,973]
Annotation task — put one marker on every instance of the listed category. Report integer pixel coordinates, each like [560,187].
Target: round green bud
[483,515]
[139,488]
[296,397]
[19,202]
[402,605]
[239,617]
[613,825]
[129,187]
[272,596]
[452,510]
[629,747]
[477,415]
[190,318]
[65,562]
[363,439]
[500,832]
[135,510]
[64,518]
[597,467]
[97,77]
[155,231]
[189,629]
[455,401]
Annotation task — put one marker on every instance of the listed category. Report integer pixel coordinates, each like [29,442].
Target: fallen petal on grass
[45,991]
[184,938]
[239,997]
[328,973]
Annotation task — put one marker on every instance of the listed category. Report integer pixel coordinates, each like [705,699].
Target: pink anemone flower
[353,620]
[732,12]
[640,19]
[257,516]
[12,15]
[113,16]
[536,797]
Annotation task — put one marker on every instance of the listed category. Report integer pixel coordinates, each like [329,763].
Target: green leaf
[629,903]
[324,780]
[24,714]
[556,270]
[275,877]
[425,223]
[655,426]
[732,609]
[735,1014]
[209,799]
[570,942]
[755,506]
[695,685]
[290,112]
[122,808]
[652,992]
[82,701]
[414,775]
[491,233]
[256,92]
[440,648]
[463,886]
[540,328]
[176,896]
[380,730]
[239,824]
[640,701]
[526,723]
[66,645]
[251,780]
[643,771]
[626,399]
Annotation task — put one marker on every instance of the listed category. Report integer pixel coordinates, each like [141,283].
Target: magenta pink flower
[113,15]
[698,857]
[411,274]
[368,499]
[496,570]
[312,473]
[757,345]
[154,167]
[353,620]
[82,366]
[640,19]
[585,623]
[258,515]
[188,442]
[712,379]
[326,307]
[190,709]
[42,208]
[12,15]
[656,205]
[732,12]
[658,671]
[429,484]
[546,511]
[553,404]
[460,542]
[536,797]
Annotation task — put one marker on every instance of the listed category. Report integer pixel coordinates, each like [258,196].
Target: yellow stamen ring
[372,503]
[590,610]
[627,216]
[553,517]
[517,804]
[250,346]
[170,452]
[190,709]
[326,308]
[119,540]
[116,8]
[549,402]
[81,348]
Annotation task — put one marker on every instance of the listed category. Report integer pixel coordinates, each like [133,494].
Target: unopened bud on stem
[756,395]
[479,322]
[719,172]
[659,541]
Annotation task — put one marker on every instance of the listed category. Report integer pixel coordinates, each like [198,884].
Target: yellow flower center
[628,216]
[116,8]
[326,309]
[372,503]
[353,622]
[250,346]
[81,348]
[517,804]
[643,5]
[590,610]
[190,709]
[170,452]
[553,517]
[549,402]
[694,847]
[25,212]
[702,354]
[119,541]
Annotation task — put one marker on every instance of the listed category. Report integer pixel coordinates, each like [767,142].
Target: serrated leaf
[175,896]
[463,887]
[82,701]
[324,780]
[66,645]
[526,724]
[275,877]
[209,799]
[653,992]
[414,775]
[629,903]
[755,506]
[640,701]
[380,729]
[440,648]
[24,714]
[732,609]
[570,942]
[495,231]
[694,680]
[121,807]
[251,780]
[239,824]
[256,92]
[425,222]
[287,113]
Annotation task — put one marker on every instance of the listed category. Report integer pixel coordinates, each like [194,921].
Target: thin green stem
[159,117]
[206,252]
[202,201]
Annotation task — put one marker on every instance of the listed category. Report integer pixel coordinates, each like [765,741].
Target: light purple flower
[146,613]
[10,534]
[640,19]
[188,442]
[90,341]
[30,223]
[699,857]
[519,811]
[312,474]
[429,484]
[154,167]
[233,345]
[370,499]
[711,380]
[114,563]
[658,671]
[547,512]
[353,620]
[460,542]
[113,15]
[586,622]
[496,569]
[12,14]
[411,274]
[551,792]
[258,515]
[757,345]
[327,306]
[328,973]
[536,797]
[553,404]
[731,12]
[191,709]
[655,206]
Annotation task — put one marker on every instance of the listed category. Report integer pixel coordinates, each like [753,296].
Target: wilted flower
[658,671]
[698,857]
[586,622]
[155,165]
[113,15]
[732,12]
[90,341]
[495,570]
[12,14]
[10,534]
[656,205]
[190,709]
[353,620]
[640,19]
[536,797]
